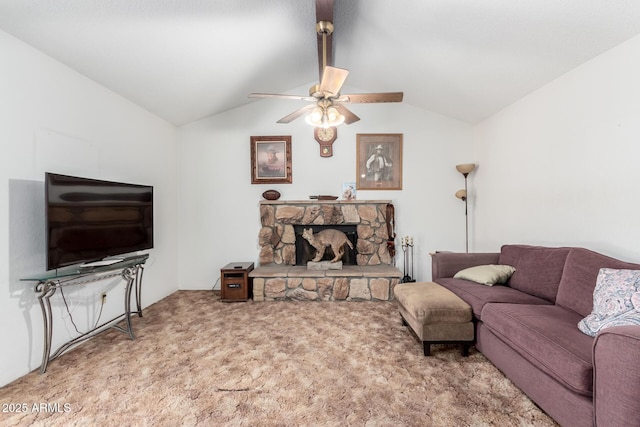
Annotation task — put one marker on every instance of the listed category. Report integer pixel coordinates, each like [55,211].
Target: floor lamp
[465,169]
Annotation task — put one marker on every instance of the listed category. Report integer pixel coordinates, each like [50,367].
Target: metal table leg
[44,291]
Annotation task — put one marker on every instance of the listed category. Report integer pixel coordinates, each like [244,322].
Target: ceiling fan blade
[332,80]
[299,112]
[281,96]
[349,117]
[360,98]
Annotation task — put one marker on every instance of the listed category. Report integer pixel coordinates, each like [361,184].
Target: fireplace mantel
[324,202]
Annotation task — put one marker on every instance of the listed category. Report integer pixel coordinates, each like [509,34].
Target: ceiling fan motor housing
[315,91]
[324,28]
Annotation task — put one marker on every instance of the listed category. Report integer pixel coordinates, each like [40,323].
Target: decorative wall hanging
[379,161]
[271,160]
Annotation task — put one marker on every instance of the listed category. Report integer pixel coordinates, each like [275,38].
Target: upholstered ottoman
[435,314]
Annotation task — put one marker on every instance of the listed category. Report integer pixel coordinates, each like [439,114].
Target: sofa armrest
[447,264]
[616,377]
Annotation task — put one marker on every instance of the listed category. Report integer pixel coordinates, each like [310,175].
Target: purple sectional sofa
[528,329]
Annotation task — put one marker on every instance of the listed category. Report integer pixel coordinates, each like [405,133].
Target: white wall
[54,119]
[219,209]
[560,166]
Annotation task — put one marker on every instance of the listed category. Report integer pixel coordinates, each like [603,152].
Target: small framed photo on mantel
[348,191]
[271,160]
[379,161]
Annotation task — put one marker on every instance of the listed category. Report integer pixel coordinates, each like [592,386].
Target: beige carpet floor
[200,362]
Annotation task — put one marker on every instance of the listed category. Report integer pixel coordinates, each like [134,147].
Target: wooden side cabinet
[235,283]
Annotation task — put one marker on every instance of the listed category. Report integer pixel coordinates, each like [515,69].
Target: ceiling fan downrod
[324,29]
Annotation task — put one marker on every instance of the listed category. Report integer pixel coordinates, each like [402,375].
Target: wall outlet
[103,297]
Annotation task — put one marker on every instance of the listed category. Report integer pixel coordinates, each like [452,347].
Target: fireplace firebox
[305,252]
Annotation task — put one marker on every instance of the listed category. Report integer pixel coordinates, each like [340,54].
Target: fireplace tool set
[407,248]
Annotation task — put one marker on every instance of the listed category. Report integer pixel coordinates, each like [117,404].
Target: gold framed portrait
[271,160]
[379,161]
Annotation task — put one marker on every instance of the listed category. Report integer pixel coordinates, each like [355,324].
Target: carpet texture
[200,362]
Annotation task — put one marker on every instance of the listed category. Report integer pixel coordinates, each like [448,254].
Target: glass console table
[130,269]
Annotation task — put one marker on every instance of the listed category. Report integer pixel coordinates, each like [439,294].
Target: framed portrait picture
[271,160]
[379,161]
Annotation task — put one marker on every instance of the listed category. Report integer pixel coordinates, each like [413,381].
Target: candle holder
[407,248]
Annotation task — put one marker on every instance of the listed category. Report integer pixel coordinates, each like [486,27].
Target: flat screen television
[90,219]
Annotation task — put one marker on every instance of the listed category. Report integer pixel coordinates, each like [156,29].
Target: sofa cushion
[477,295]
[579,278]
[538,269]
[490,274]
[616,301]
[547,336]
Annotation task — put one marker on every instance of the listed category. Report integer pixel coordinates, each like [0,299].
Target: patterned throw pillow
[616,301]
[635,300]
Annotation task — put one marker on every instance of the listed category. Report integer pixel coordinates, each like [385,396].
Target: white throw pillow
[489,275]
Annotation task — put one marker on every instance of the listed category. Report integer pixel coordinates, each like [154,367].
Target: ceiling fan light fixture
[315,117]
[324,117]
[334,117]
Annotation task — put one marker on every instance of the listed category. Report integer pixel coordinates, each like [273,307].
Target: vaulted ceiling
[187,59]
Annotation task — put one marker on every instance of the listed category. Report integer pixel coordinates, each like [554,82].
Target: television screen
[90,219]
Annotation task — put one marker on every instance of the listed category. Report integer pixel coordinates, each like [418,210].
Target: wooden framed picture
[379,161]
[271,160]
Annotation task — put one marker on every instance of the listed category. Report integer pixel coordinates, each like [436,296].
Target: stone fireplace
[277,236]
[367,274]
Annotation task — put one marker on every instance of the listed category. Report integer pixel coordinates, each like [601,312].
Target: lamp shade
[466,168]
[461,194]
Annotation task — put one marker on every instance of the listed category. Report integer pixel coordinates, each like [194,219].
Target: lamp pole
[466,214]
[465,169]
